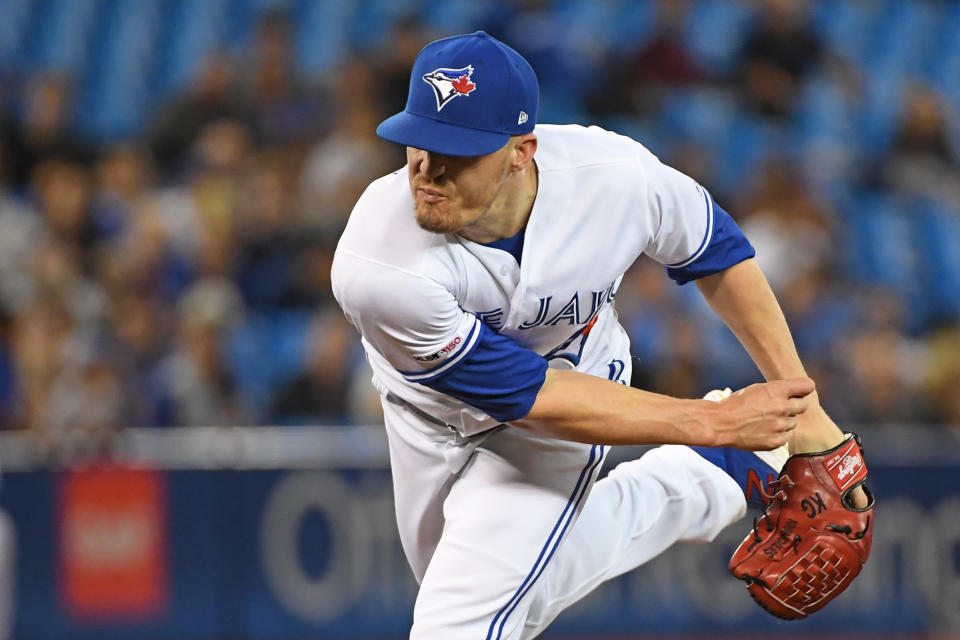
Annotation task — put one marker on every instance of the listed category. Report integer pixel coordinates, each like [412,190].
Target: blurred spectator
[563,57]
[663,333]
[320,394]
[818,308]
[38,338]
[141,329]
[197,386]
[634,82]
[193,223]
[271,235]
[20,230]
[211,97]
[779,53]
[786,225]
[63,192]
[339,168]
[124,177]
[883,366]
[87,402]
[57,274]
[880,369]
[283,109]
[923,160]
[43,131]
[392,66]
[311,286]
[666,60]
[942,375]
[143,261]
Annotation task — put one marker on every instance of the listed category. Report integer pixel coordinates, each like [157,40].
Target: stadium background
[189,438]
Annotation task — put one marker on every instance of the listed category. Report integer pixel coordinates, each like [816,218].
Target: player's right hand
[762,416]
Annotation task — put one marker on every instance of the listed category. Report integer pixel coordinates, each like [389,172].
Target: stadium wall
[290,534]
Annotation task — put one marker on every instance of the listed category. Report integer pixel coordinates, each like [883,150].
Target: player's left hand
[816,431]
[811,541]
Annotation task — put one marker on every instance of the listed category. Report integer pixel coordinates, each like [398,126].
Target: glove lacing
[777,492]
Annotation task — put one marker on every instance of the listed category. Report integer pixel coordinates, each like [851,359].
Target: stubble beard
[435,217]
[449,216]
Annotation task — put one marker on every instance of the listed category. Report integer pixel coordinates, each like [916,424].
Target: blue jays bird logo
[449,83]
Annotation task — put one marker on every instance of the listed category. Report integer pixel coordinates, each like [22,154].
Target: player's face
[453,192]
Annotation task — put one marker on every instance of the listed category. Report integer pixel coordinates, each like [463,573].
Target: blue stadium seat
[370,22]
[877,117]
[881,249]
[845,27]
[942,66]
[823,109]
[13,27]
[725,362]
[715,31]
[451,16]
[825,130]
[875,247]
[625,24]
[632,25]
[937,231]
[64,34]
[266,351]
[748,142]
[321,37]
[700,114]
[190,30]
[115,96]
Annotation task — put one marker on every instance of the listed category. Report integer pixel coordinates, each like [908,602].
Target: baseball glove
[810,542]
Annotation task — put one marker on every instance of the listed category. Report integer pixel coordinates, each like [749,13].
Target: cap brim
[439,137]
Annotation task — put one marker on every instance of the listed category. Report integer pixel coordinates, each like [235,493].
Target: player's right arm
[417,325]
[576,406]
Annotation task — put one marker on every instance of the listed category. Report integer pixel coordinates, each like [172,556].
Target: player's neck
[510,210]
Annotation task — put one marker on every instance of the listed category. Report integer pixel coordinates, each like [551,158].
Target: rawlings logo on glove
[811,542]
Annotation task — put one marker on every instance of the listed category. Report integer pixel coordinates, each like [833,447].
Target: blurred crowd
[180,276]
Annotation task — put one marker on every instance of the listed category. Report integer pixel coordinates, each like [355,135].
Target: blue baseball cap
[468,95]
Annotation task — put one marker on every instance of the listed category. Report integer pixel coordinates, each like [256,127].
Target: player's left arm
[741,296]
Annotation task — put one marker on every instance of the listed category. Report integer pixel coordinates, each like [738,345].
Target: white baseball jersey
[464,331]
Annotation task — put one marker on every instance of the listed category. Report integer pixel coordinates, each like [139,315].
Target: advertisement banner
[111,546]
[294,554]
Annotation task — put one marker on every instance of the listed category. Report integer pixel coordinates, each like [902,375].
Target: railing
[365,447]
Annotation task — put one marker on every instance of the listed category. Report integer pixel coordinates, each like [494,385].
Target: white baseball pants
[507,529]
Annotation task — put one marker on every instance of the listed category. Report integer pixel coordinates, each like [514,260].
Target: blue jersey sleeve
[724,245]
[497,376]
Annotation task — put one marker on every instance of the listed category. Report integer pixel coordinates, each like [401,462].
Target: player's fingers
[797,406]
[798,387]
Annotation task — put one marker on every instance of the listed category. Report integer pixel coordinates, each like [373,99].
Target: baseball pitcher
[482,278]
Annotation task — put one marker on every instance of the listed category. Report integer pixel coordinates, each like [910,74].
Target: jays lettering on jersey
[465,332]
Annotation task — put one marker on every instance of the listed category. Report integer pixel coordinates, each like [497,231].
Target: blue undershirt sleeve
[498,376]
[726,246]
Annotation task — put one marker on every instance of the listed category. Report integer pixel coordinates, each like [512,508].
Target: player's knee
[702,499]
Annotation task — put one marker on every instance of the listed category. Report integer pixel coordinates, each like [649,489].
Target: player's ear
[523,149]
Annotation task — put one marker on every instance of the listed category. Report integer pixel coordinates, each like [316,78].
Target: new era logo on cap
[449,83]
[499,98]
